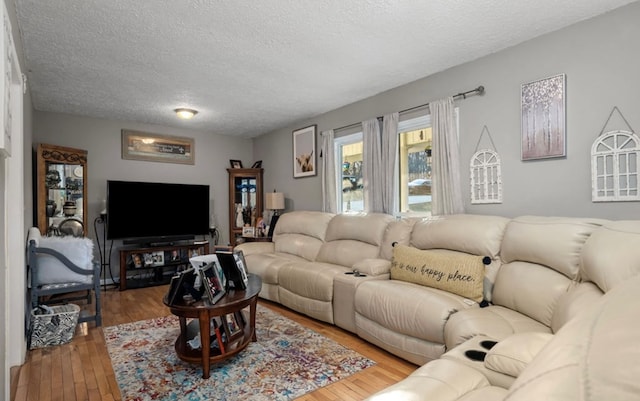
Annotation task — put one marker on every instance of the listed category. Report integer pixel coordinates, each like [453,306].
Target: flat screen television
[153,212]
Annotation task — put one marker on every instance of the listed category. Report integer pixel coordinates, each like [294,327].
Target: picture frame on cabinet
[235,163]
[248,231]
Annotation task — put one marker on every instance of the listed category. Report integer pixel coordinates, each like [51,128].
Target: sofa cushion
[455,272]
[495,321]
[512,355]
[473,234]
[555,242]
[397,232]
[593,357]
[301,233]
[468,233]
[312,280]
[442,380]
[353,237]
[531,289]
[610,255]
[408,308]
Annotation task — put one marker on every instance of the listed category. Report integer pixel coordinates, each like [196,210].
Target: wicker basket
[55,327]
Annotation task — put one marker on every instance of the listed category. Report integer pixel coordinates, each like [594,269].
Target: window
[413,187]
[414,165]
[350,187]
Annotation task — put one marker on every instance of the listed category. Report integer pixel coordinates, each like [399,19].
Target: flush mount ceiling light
[186,114]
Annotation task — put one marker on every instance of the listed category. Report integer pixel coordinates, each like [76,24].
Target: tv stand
[155,263]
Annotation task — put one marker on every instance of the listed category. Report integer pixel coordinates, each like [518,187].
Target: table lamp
[274,201]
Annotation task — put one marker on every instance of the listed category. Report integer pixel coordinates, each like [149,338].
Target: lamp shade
[274,200]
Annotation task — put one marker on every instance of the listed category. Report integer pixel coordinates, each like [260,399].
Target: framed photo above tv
[157,148]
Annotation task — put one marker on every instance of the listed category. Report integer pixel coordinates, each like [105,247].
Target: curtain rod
[477,91]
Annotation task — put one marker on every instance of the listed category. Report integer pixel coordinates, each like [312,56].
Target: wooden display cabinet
[61,190]
[245,199]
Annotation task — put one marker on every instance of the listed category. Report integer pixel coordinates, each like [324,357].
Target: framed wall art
[157,148]
[543,111]
[304,152]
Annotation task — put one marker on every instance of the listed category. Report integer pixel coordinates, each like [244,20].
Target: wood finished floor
[81,370]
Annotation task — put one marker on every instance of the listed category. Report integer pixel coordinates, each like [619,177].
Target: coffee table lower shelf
[231,348]
[231,304]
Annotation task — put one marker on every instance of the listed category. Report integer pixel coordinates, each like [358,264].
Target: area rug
[286,362]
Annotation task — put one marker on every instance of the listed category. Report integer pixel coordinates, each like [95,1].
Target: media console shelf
[155,265]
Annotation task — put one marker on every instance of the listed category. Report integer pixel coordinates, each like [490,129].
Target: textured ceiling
[251,67]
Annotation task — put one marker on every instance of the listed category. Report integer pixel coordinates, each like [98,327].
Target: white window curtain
[446,187]
[372,172]
[329,196]
[389,152]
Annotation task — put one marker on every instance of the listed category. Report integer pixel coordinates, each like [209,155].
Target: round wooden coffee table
[236,340]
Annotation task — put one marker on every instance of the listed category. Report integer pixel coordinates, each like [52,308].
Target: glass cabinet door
[245,200]
[61,192]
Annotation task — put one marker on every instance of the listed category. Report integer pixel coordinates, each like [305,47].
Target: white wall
[102,139]
[601,61]
[14,172]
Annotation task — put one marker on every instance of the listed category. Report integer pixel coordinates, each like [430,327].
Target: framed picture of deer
[304,152]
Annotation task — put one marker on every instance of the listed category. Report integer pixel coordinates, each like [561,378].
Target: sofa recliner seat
[408,319]
[297,238]
[308,287]
[541,263]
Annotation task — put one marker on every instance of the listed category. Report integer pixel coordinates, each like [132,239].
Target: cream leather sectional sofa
[542,274]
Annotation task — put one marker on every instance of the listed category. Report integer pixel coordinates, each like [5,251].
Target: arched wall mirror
[61,176]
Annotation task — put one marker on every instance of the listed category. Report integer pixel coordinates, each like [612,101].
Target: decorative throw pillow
[450,271]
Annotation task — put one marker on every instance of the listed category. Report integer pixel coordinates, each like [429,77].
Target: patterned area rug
[286,362]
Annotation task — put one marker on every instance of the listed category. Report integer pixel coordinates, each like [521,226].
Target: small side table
[233,301]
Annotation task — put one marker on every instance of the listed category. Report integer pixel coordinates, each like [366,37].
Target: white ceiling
[251,67]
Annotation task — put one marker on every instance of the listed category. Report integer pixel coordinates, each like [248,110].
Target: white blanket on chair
[78,250]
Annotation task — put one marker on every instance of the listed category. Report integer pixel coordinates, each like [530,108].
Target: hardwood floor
[81,370]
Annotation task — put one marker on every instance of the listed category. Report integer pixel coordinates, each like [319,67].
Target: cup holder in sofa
[487,344]
[475,355]
[356,273]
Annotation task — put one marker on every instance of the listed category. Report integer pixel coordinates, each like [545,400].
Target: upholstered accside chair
[62,269]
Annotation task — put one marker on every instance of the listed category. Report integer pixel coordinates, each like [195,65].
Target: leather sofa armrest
[250,248]
[373,267]
[511,355]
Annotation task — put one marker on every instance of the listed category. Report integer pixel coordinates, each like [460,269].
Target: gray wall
[102,139]
[601,61]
